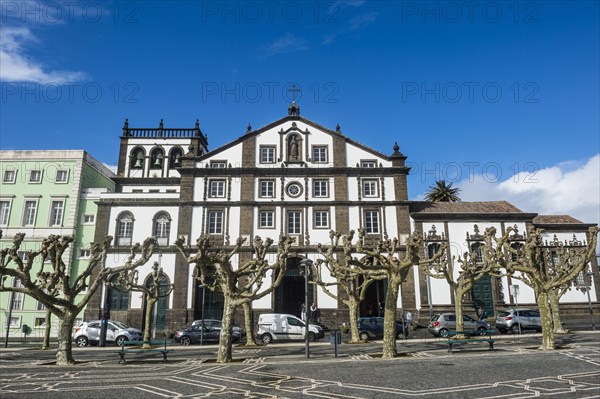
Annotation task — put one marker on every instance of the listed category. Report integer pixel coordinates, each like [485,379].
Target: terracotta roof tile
[555,219]
[463,207]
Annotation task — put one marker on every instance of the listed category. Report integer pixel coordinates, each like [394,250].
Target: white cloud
[571,187]
[16,66]
[286,44]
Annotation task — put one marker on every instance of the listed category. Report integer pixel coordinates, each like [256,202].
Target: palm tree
[442,193]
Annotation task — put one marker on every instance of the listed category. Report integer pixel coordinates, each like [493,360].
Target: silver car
[511,319]
[441,324]
[88,333]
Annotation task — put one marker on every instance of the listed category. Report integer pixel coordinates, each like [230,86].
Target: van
[279,326]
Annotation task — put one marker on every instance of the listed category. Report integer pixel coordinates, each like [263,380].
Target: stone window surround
[14,176]
[265,148]
[51,216]
[320,146]
[375,186]
[9,201]
[40,176]
[217,182]
[26,199]
[260,188]
[215,212]
[260,212]
[326,211]
[372,212]
[320,181]
[66,175]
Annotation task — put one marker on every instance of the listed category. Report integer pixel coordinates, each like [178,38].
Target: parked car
[511,319]
[279,326]
[441,323]
[372,328]
[88,333]
[214,323]
[193,334]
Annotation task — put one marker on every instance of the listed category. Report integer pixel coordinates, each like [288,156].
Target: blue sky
[473,92]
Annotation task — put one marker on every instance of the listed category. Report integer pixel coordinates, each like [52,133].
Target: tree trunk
[458,312]
[224,354]
[353,313]
[389,322]
[554,308]
[249,324]
[64,354]
[148,320]
[47,330]
[545,315]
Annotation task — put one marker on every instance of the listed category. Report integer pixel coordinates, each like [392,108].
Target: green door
[482,295]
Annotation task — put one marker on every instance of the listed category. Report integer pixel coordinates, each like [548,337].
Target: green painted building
[43,193]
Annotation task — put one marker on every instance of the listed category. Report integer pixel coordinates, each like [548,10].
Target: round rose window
[294,189]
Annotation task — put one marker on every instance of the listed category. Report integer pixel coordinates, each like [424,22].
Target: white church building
[296,177]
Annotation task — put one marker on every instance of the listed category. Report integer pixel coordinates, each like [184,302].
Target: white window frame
[268,217]
[216,188]
[16,323]
[320,222]
[214,222]
[124,235]
[268,154]
[319,154]
[369,188]
[368,163]
[218,164]
[162,228]
[53,217]
[35,172]
[26,217]
[5,212]
[266,188]
[293,222]
[16,297]
[66,176]
[321,188]
[85,253]
[88,215]
[9,181]
[372,222]
[38,324]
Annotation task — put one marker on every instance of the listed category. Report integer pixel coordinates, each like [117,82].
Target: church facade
[295,177]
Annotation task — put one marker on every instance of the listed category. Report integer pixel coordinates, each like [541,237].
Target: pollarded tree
[215,270]
[533,264]
[384,255]
[472,269]
[153,290]
[348,278]
[63,294]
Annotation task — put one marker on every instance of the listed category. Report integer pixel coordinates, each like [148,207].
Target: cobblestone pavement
[425,369]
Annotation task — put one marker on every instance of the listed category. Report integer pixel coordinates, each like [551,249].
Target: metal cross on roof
[294,91]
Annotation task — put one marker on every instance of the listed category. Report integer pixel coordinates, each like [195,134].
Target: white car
[279,326]
[88,332]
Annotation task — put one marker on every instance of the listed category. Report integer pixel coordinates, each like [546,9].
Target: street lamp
[515,291]
[306,264]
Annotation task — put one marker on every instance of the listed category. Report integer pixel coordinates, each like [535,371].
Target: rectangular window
[40,306]
[369,188]
[89,219]
[40,322]
[4,212]
[321,219]
[215,222]
[14,322]
[319,154]
[580,280]
[154,191]
[85,253]
[266,219]
[267,154]
[9,176]
[15,299]
[320,188]
[56,213]
[218,164]
[294,222]
[368,164]
[216,189]
[62,176]
[137,191]
[267,189]
[29,213]
[35,176]
[372,222]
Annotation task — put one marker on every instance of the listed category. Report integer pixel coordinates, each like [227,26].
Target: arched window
[162,228]
[136,158]
[175,157]
[124,228]
[477,248]
[117,296]
[432,250]
[156,158]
